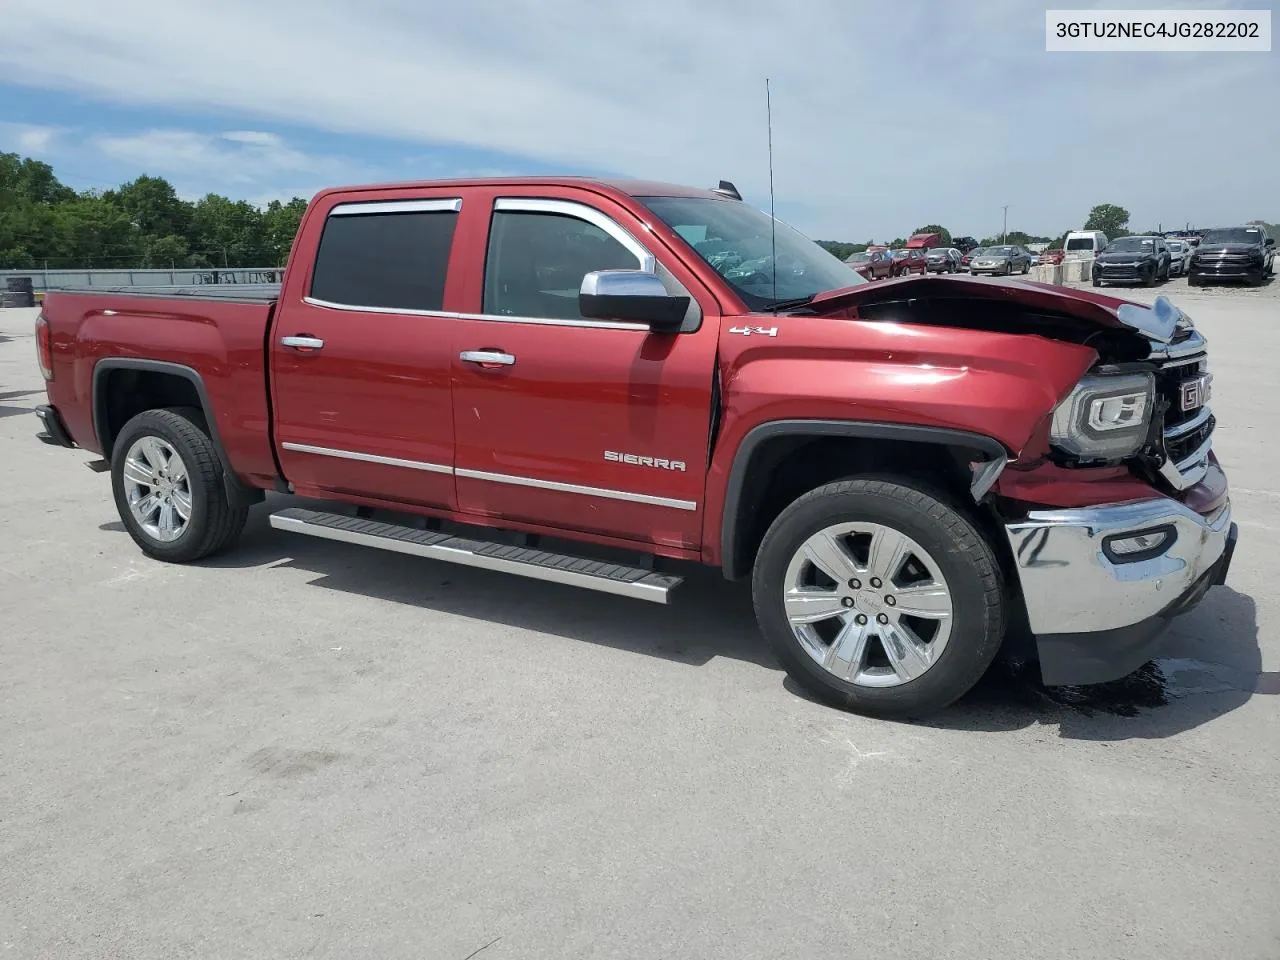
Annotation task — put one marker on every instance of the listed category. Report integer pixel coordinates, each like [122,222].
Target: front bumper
[1096,619]
[55,431]
[1226,270]
[1123,273]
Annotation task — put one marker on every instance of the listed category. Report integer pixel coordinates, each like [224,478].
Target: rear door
[579,424]
[361,347]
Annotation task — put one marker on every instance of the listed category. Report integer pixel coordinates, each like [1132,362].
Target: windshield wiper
[791,304]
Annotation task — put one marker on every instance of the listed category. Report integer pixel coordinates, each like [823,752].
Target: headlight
[1104,417]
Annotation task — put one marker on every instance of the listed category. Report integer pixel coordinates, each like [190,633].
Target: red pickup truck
[914,473]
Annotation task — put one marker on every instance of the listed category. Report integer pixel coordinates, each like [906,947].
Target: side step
[522,561]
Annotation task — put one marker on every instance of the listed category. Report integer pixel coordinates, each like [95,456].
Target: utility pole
[1004,229]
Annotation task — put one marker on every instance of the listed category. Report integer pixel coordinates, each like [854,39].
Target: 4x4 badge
[748,331]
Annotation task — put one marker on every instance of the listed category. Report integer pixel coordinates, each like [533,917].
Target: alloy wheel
[157,488]
[868,604]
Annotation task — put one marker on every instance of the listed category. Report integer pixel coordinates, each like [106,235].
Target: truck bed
[215,340]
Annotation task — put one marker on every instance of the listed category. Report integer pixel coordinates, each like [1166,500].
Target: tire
[1150,279]
[1193,280]
[212,523]
[1026,268]
[951,549]
[1097,282]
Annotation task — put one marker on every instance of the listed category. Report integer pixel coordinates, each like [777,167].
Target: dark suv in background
[1137,259]
[1233,253]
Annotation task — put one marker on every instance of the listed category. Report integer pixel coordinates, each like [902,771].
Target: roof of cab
[631,188]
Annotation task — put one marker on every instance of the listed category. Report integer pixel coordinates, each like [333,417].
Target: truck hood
[1157,323]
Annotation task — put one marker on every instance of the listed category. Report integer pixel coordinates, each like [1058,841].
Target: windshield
[1131,245]
[1175,246]
[1000,251]
[734,239]
[859,258]
[1233,235]
[1080,243]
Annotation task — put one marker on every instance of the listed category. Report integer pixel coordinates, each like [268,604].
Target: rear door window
[389,256]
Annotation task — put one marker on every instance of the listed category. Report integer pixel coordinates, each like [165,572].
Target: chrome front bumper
[1071,585]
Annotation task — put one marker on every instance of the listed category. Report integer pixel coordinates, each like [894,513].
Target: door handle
[302,342]
[488,358]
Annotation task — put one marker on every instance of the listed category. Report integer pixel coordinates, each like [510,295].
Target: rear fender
[237,491]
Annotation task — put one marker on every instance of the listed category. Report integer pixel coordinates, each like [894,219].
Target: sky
[887,114]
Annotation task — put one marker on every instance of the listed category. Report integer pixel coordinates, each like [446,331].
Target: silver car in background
[1001,260]
[1180,253]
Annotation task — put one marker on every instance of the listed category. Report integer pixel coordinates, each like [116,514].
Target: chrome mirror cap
[622,283]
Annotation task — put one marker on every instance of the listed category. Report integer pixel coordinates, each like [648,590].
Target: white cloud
[27,139]
[885,115]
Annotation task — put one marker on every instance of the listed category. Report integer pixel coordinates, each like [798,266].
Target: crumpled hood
[1158,322]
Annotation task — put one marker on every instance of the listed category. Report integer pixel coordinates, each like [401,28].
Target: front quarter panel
[998,385]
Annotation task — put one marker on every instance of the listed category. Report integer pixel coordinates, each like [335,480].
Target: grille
[1183,432]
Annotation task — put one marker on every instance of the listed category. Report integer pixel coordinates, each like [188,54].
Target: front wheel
[879,598]
[168,486]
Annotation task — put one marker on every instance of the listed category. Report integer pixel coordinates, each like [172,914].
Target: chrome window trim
[557,321]
[577,488]
[368,458]
[448,315]
[582,211]
[357,308]
[352,208]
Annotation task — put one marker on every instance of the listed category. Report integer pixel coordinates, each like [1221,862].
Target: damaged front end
[1116,512]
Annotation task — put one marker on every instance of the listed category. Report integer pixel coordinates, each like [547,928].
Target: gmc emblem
[1194,393]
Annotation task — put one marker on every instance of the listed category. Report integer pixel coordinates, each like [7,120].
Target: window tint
[392,260]
[537,261]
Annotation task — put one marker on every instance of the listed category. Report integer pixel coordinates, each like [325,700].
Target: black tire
[1150,279]
[962,554]
[214,523]
[1193,280]
[1258,279]
[1097,282]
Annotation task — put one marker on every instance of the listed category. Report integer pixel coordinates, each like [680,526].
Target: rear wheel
[168,486]
[879,598]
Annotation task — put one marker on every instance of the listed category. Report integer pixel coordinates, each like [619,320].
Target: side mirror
[1271,241]
[636,296]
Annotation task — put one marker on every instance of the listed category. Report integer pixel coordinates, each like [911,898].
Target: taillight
[44,346]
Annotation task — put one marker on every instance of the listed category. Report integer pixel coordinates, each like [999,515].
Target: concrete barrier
[1077,270]
[1047,273]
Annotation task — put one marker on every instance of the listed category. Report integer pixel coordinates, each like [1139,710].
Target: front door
[578,424]
[360,356]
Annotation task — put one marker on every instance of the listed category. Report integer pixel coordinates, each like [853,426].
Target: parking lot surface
[305,749]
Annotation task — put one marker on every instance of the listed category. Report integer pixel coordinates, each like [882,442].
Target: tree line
[45,224]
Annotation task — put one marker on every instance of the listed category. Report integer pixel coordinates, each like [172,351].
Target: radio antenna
[773,224]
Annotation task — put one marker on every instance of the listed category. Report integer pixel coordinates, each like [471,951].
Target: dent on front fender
[995,384]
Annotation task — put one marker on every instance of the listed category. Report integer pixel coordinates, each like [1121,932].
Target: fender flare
[236,489]
[987,470]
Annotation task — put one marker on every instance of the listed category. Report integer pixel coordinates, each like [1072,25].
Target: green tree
[280,225]
[153,205]
[1109,218]
[227,233]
